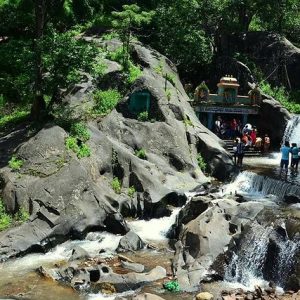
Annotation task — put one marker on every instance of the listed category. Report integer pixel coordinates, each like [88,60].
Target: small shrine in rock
[140,102]
[227,102]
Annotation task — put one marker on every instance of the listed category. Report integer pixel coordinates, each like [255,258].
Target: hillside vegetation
[42,52]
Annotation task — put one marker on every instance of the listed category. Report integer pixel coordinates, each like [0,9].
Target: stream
[261,181]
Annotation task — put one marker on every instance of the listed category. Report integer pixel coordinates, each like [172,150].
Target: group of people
[288,151]
[228,128]
[231,129]
[246,137]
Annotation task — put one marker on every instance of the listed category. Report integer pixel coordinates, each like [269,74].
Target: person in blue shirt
[295,156]
[285,155]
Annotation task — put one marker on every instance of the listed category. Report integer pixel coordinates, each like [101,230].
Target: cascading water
[247,264]
[292,131]
[262,255]
[257,186]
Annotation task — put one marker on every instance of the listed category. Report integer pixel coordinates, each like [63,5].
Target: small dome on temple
[228,81]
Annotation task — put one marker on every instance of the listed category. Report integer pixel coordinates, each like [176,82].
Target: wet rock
[103,287]
[130,242]
[147,296]
[79,253]
[138,268]
[204,296]
[206,239]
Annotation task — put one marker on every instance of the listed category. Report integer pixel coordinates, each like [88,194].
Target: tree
[125,22]
[180,33]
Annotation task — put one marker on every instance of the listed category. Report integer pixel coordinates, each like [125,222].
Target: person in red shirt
[253,136]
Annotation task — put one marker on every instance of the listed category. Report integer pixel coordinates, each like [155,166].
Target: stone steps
[249,152]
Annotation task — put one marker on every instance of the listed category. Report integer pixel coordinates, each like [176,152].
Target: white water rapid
[261,188]
[292,131]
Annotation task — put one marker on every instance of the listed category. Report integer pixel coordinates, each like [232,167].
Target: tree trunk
[39,104]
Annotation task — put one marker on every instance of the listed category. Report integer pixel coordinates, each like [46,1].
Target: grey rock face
[278,118]
[68,197]
[204,241]
[85,279]
[130,242]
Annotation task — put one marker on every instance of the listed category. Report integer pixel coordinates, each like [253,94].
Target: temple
[226,102]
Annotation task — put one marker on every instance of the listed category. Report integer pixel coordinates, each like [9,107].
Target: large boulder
[277,117]
[277,57]
[204,241]
[67,196]
[130,242]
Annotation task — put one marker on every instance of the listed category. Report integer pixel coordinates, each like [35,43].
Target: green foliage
[15,163]
[168,94]
[99,69]
[80,130]
[124,21]
[141,153]
[143,116]
[159,69]
[116,55]
[134,73]
[106,101]
[2,101]
[181,34]
[22,215]
[84,151]
[15,117]
[281,95]
[116,185]
[187,122]
[201,163]
[65,58]
[255,70]
[172,286]
[79,148]
[71,144]
[170,78]
[131,191]
[109,36]
[5,219]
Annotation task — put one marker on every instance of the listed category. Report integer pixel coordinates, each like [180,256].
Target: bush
[116,185]
[143,116]
[71,144]
[131,191]
[14,118]
[141,154]
[134,73]
[80,149]
[281,95]
[170,78]
[84,151]
[15,163]
[80,131]
[22,215]
[106,101]
[5,219]
[201,163]
[117,55]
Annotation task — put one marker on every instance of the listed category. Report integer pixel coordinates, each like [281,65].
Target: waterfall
[292,131]
[247,264]
[253,185]
[262,255]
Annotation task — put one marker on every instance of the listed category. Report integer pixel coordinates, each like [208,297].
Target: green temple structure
[226,102]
